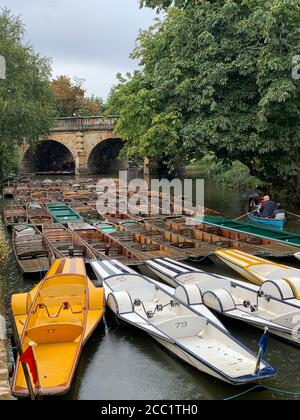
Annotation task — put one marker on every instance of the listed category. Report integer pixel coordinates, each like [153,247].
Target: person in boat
[267,208]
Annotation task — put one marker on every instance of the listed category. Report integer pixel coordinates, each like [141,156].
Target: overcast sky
[90,39]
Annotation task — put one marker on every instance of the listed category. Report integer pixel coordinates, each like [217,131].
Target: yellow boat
[58,315]
[257,270]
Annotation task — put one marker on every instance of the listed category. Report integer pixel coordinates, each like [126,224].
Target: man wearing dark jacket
[267,208]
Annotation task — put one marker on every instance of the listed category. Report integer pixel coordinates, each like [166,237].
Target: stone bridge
[80,144]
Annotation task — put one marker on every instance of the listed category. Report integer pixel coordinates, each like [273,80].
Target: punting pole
[244,215]
[293,214]
[24,366]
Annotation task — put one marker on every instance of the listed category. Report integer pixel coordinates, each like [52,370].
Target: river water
[120,362]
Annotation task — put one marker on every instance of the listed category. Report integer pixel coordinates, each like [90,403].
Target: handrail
[85,123]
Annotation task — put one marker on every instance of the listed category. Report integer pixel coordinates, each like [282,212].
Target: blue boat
[276,223]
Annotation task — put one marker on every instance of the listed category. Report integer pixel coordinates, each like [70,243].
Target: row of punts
[178,305]
[132,239]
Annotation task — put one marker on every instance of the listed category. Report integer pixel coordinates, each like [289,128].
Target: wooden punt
[283,244]
[80,208]
[210,234]
[59,316]
[103,246]
[38,214]
[31,250]
[8,193]
[178,247]
[65,243]
[15,215]
[82,195]
[192,248]
[145,245]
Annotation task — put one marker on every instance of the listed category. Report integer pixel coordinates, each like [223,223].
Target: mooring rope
[263,387]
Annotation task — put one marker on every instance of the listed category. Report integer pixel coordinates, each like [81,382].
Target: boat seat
[55,295]
[183,327]
[279,289]
[120,302]
[219,300]
[190,294]
[54,333]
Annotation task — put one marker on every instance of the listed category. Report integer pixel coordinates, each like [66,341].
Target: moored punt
[117,218]
[273,223]
[176,247]
[146,246]
[273,305]
[38,214]
[181,247]
[80,208]
[211,234]
[192,336]
[67,304]
[283,243]
[65,243]
[63,214]
[8,193]
[103,246]
[31,250]
[257,270]
[15,215]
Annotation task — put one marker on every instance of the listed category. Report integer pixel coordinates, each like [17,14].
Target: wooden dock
[4,382]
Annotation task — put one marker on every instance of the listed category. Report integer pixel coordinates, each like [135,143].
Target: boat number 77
[183,324]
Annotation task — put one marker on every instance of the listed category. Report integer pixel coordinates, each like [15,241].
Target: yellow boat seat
[58,333]
[63,290]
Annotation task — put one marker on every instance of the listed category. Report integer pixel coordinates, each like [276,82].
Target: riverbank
[4,375]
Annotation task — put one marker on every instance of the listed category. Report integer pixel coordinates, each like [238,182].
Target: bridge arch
[50,155]
[103,158]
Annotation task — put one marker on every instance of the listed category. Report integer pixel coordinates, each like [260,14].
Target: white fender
[120,302]
[219,300]
[189,294]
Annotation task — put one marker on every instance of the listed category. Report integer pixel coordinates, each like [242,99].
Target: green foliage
[216,77]
[26,101]
[233,174]
[165,4]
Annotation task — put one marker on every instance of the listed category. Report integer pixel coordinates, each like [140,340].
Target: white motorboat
[272,305]
[196,337]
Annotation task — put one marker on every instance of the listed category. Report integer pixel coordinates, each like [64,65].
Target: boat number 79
[183,324]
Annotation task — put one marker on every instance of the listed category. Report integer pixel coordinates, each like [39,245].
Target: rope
[266,388]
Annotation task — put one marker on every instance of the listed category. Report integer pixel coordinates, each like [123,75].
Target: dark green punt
[249,229]
[63,214]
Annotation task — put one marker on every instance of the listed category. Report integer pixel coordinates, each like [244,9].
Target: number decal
[183,324]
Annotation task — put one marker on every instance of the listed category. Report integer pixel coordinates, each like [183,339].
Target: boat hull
[275,223]
[201,367]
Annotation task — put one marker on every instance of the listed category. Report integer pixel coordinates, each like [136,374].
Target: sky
[89,39]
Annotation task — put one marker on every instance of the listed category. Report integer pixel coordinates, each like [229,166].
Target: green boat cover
[249,229]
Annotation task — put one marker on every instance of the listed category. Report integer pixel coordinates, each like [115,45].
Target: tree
[26,102]
[72,100]
[93,106]
[165,4]
[218,79]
